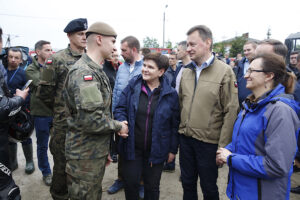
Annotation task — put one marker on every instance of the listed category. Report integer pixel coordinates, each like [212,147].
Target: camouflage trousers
[58,188]
[84,178]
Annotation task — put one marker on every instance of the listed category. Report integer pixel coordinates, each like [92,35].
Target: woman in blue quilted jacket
[260,156]
[151,108]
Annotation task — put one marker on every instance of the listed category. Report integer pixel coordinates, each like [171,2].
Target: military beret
[102,29]
[75,25]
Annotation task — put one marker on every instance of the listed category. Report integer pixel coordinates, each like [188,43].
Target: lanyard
[11,78]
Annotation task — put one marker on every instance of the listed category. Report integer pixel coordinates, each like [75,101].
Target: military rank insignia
[88,77]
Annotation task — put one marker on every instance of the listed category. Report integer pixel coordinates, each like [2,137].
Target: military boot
[27,149]
[12,152]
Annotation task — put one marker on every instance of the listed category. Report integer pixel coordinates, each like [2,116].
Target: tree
[219,48]
[237,46]
[169,44]
[150,42]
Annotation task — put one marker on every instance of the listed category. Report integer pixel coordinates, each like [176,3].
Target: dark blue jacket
[263,148]
[243,92]
[165,120]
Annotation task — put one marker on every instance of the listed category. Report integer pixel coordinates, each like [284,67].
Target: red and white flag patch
[49,62]
[88,77]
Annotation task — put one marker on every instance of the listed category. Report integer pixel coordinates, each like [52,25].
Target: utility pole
[164,19]
[268,33]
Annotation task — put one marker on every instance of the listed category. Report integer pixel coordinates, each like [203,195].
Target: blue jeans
[198,158]
[42,129]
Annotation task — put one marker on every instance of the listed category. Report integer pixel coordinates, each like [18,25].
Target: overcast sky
[28,21]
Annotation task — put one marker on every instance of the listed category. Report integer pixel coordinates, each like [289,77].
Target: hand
[22,93]
[222,155]
[124,130]
[171,157]
[219,162]
[109,160]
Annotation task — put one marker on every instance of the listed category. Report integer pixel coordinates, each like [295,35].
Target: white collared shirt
[203,66]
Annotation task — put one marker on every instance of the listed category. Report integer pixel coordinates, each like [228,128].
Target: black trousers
[198,158]
[4,159]
[133,170]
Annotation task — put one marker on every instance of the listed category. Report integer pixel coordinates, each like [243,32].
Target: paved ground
[33,188]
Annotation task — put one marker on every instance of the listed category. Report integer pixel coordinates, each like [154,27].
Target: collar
[90,62]
[74,53]
[136,63]
[206,64]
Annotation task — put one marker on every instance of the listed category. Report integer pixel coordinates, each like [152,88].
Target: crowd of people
[95,110]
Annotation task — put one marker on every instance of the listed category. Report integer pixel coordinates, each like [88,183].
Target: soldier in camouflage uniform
[50,91]
[90,125]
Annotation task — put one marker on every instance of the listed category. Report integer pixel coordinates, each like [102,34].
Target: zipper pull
[151,164]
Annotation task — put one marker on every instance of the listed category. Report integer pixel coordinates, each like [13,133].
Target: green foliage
[237,46]
[219,47]
[150,42]
[169,44]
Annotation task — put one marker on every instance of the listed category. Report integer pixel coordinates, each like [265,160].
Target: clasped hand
[222,155]
[124,130]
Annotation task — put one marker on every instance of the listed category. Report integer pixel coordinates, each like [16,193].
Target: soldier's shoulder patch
[235,84]
[49,62]
[88,77]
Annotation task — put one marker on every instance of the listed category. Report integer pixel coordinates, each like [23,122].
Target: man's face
[108,43]
[45,52]
[78,39]
[115,57]
[293,59]
[249,51]
[172,60]
[14,59]
[126,52]
[196,47]
[264,48]
[181,52]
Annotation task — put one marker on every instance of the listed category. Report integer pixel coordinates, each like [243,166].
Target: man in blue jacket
[249,52]
[130,48]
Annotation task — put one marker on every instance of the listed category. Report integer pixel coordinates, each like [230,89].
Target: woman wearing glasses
[261,154]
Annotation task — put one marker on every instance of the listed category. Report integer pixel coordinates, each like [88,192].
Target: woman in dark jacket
[150,106]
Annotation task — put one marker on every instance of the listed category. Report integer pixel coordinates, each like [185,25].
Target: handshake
[124,130]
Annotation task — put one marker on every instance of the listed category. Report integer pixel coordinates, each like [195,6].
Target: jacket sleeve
[175,125]
[30,76]
[230,103]
[121,109]
[90,105]
[280,147]
[9,106]
[229,147]
[115,92]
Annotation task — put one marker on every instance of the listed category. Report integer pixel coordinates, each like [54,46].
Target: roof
[294,35]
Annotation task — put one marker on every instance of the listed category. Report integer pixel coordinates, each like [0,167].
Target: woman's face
[150,71]
[255,76]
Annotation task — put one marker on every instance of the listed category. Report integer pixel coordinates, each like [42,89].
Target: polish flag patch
[235,84]
[88,77]
[49,62]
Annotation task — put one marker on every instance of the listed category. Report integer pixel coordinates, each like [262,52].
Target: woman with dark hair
[260,156]
[151,108]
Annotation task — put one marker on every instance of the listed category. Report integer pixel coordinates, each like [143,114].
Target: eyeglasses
[254,70]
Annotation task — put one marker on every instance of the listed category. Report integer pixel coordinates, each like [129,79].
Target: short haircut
[204,32]
[145,51]
[253,43]
[15,49]
[160,60]
[39,45]
[278,47]
[294,52]
[173,53]
[132,42]
[183,44]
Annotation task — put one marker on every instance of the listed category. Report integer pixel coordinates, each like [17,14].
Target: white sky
[31,20]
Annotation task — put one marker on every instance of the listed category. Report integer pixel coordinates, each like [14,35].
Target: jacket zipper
[147,120]
[193,96]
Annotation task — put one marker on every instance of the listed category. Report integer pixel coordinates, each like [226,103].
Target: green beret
[102,29]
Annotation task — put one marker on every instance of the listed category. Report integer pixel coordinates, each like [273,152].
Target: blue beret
[75,25]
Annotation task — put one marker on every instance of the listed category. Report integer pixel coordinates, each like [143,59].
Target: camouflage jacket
[52,81]
[88,98]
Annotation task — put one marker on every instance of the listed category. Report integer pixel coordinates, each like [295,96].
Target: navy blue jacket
[263,148]
[165,120]
[243,92]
